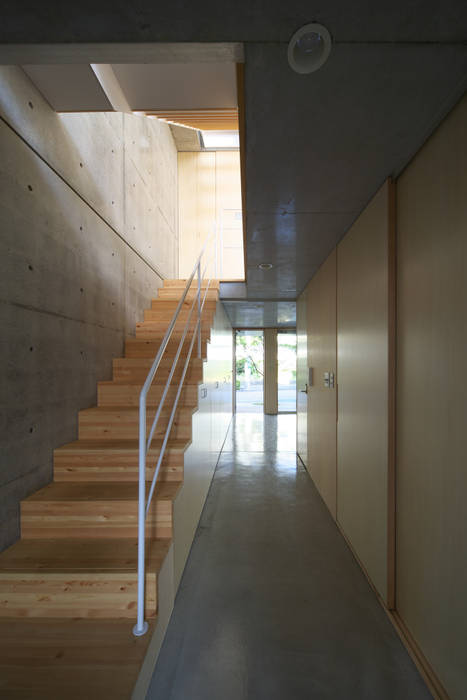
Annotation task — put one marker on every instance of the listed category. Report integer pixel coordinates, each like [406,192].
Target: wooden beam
[147,52]
[203,119]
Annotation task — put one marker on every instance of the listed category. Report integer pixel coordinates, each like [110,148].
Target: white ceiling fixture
[309,48]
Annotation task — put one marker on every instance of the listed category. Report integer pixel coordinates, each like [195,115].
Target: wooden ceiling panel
[204,119]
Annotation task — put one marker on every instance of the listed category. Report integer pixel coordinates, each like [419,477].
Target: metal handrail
[141,626]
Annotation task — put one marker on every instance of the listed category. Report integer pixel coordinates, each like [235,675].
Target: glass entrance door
[249,371]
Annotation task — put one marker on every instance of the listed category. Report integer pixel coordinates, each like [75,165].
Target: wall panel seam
[35,309]
[83,199]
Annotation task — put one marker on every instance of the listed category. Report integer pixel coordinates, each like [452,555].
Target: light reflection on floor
[256,432]
[272,604]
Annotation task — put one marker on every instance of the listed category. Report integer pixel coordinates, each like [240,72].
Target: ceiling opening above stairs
[196,90]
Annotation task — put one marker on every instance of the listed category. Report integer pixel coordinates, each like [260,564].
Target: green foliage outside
[250,356]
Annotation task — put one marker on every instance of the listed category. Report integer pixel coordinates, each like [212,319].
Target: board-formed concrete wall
[88,230]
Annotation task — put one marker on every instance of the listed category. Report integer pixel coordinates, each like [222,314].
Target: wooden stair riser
[121,425]
[117,469]
[93,519]
[164,317]
[181,284]
[119,394]
[91,507]
[174,294]
[169,305]
[130,369]
[76,595]
[155,331]
[114,465]
[143,347]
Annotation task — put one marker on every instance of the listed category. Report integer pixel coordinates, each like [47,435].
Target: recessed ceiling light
[265,266]
[309,48]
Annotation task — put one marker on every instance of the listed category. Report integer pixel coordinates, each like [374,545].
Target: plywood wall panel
[302,379]
[321,325]
[432,401]
[210,198]
[362,443]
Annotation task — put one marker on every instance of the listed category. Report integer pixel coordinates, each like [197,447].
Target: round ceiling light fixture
[309,48]
[265,266]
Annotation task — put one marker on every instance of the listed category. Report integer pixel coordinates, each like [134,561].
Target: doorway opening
[249,371]
[286,372]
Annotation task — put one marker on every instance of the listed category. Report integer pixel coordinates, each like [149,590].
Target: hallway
[272,605]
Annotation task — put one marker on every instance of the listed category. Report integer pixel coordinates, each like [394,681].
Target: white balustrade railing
[145,442]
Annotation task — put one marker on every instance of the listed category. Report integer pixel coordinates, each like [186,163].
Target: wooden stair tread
[134,410]
[96,641]
[47,659]
[68,587]
[136,382]
[122,446]
[100,491]
[171,304]
[145,332]
[180,282]
[165,363]
[148,347]
[81,555]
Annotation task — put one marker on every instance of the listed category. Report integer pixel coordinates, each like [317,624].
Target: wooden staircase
[76,559]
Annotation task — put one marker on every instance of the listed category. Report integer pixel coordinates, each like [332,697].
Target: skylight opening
[220,140]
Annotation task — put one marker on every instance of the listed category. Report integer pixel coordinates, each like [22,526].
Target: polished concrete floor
[272,605]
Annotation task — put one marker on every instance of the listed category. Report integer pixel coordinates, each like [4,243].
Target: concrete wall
[432,400]
[88,214]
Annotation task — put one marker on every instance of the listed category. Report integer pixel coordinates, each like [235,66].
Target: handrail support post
[199,309]
[141,626]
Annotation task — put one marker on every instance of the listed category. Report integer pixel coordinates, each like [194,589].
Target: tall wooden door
[322,392]
[302,379]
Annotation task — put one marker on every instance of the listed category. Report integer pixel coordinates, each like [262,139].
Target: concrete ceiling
[75,87]
[318,146]
[178,85]
[231,20]
[69,88]
[261,314]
